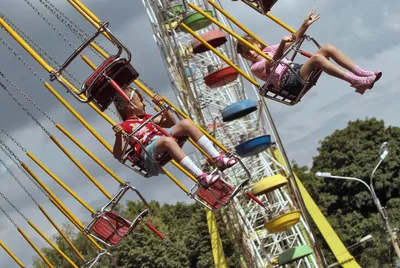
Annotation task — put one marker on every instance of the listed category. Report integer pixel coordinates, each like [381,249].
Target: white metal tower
[203,104]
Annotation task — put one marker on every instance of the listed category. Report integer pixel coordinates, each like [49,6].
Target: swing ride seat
[137,164]
[92,263]
[262,6]
[108,80]
[254,146]
[109,227]
[129,154]
[97,86]
[217,195]
[238,110]
[286,97]
[291,98]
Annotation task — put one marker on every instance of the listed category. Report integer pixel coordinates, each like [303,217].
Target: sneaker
[207,180]
[224,162]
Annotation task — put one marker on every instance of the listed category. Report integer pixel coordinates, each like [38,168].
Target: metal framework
[187,70]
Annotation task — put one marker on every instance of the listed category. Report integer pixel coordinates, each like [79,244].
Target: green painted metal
[294,254]
[176,10]
[197,21]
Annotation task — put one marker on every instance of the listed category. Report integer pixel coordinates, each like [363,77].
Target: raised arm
[310,19]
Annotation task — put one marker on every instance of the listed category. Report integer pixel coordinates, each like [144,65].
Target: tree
[187,244]
[347,204]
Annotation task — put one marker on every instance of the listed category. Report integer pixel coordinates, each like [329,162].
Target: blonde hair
[243,50]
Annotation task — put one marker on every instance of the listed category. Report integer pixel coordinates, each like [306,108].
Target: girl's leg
[170,145]
[330,51]
[186,127]
[319,60]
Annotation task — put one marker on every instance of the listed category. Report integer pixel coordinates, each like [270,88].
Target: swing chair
[261,6]
[291,98]
[109,227]
[92,263]
[213,197]
[108,80]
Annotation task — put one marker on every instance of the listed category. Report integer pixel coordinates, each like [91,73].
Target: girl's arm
[168,119]
[119,142]
[283,46]
[310,19]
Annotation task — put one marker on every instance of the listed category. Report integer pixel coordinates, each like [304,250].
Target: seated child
[358,78]
[134,115]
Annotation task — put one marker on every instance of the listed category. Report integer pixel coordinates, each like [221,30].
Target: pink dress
[261,69]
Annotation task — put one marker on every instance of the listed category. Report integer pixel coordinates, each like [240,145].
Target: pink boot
[224,162]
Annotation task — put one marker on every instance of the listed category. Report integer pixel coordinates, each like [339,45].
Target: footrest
[238,110]
[253,146]
[219,194]
[111,227]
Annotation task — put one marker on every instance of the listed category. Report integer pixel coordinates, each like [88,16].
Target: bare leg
[186,127]
[170,145]
[318,60]
[330,51]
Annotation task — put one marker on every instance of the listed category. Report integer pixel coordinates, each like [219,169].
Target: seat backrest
[103,230]
[97,86]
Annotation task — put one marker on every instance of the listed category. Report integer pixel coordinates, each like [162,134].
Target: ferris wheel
[213,93]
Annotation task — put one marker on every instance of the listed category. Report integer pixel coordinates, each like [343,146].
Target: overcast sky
[366,30]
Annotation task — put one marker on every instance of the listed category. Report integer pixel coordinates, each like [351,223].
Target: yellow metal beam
[12,255]
[219,54]
[63,235]
[41,255]
[238,24]
[238,37]
[81,167]
[53,245]
[337,247]
[216,244]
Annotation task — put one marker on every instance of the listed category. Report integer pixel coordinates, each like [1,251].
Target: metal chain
[50,24]
[79,32]
[11,152]
[33,70]
[17,163]
[27,98]
[42,52]
[26,110]
[8,216]
[13,140]
[79,35]
[14,207]
[19,182]
[22,60]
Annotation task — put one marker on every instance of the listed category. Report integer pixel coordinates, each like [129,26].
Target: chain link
[26,110]
[26,97]
[81,34]
[11,152]
[8,216]
[14,207]
[13,140]
[17,163]
[42,52]
[22,60]
[19,182]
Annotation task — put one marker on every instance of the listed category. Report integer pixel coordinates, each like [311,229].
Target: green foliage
[348,205]
[187,244]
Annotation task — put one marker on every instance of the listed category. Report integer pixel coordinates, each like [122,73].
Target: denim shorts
[290,82]
[152,168]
